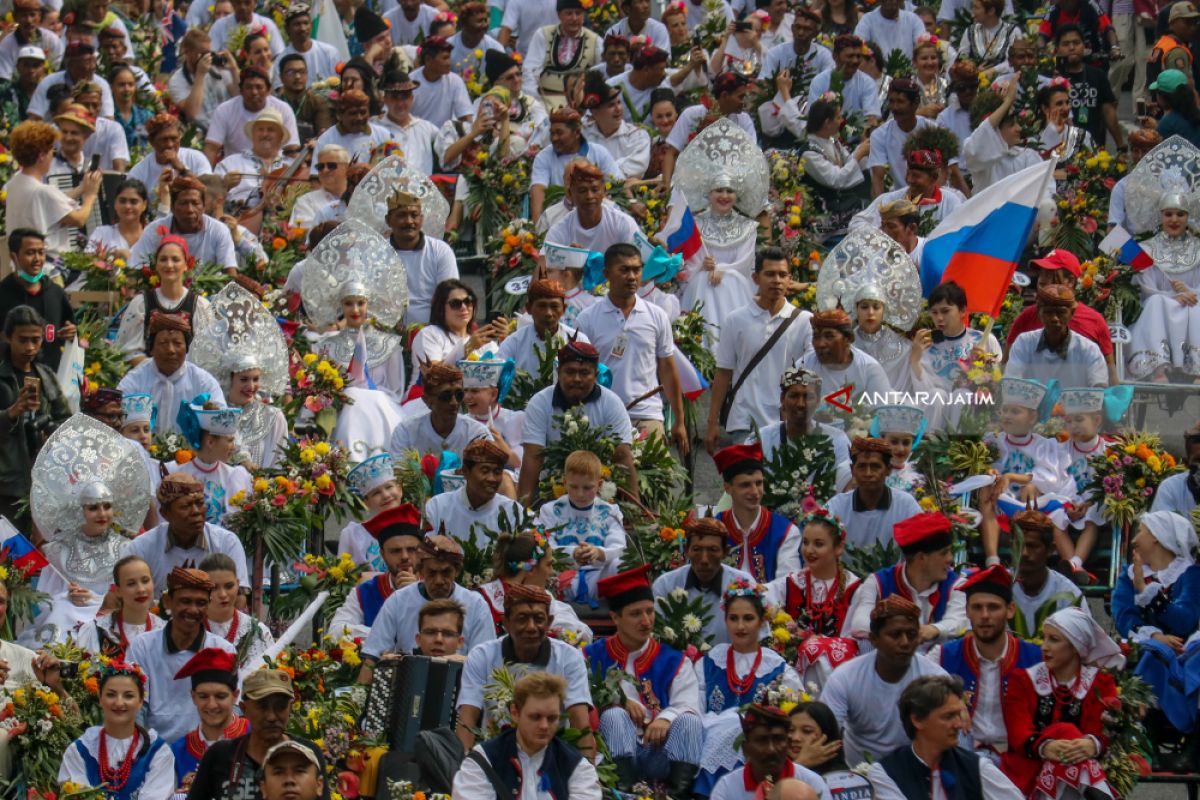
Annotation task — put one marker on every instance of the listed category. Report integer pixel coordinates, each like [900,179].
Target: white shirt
[431,263]
[862,374]
[615,226]
[629,145]
[745,332]
[869,216]
[131,339]
[169,709]
[361,546]
[1056,584]
[953,623]
[891,34]
[471,783]
[406,31]
[39,105]
[415,140]
[228,124]
[604,410]
[219,86]
[417,433]
[320,58]
[771,437]
[865,705]
[989,159]
[548,164]
[1083,366]
[827,161]
[223,30]
[562,659]
[463,58]
[599,525]
[1174,495]
[732,786]
[304,212]
[212,242]
[653,29]
[684,691]
[162,556]
[524,345]
[783,56]
[859,93]
[677,579]
[887,149]
[87,637]
[395,628]
[148,170]
[108,142]
[40,206]
[465,522]
[361,146]
[440,100]
[995,785]
[158,781]
[867,527]
[248,626]
[639,98]
[169,391]
[647,337]
[690,117]
[249,169]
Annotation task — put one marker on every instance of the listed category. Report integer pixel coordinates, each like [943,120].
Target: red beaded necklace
[114,780]
[230,637]
[818,612]
[739,686]
[119,624]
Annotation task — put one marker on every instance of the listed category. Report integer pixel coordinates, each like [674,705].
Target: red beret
[993,580]
[626,587]
[738,459]
[210,665]
[403,520]
[923,532]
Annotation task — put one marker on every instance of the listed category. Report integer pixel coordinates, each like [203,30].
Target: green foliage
[868,560]
[680,621]
[800,474]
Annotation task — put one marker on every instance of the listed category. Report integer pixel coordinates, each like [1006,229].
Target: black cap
[496,63]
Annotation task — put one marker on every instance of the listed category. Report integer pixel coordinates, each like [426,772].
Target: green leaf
[326,419]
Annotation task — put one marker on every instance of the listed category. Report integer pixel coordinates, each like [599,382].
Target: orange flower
[1058,410]
[278,243]
[92,685]
[1143,452]
[667,534]
[418,796]
[529,250]
[1087,281]
[184,456]
[1169,460]
[512,241]
[56,710]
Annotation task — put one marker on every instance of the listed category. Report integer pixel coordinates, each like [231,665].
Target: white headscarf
[1093,644]
[1173,532]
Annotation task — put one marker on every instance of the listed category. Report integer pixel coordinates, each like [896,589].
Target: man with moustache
[398,531]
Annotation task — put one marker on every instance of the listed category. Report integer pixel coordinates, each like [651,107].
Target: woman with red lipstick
[111,634]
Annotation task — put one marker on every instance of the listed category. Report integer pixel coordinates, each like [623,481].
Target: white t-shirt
[746,331]
[440,100]
[426,267]
[615,226]
[415,140]
[406,31]
[227,127]
[361,146]
[39,106]
[40,206]
[217,89]
[321,59]
[223,30]
[526,17]
[548,165]
[647,337]
[891,34]
[148,169]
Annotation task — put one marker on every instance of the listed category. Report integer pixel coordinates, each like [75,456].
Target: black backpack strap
[503,790]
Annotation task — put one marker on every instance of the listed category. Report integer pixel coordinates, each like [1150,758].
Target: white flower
[861,769]
[608,491]
[691,623]
[669,633]
[679,594]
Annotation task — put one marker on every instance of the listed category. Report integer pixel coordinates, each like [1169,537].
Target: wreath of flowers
[541,546]
[119,669]
[823,515]
[744,588]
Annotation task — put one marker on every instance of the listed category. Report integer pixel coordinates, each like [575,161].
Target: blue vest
[959,773]
[185,762]
[654,679]
[956,660]
[721,695]
[557,765]
[889,584]
[766,550]
[137,775]
[371,598]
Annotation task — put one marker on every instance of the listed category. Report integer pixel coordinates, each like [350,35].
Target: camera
[742,27]
[68,669]
[219,60]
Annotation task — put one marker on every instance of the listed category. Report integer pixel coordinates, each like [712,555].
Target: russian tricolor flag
[20,551]
[691,382]
[979,244]
[1125,248]
[360,373]
[680,231]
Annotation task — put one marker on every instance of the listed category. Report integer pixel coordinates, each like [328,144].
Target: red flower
[347,783]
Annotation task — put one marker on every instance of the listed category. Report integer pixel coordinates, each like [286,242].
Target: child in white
[1084,412]
[584,527]
[374,480]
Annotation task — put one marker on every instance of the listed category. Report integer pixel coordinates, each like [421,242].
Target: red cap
[403,520]
[210,665]
[626,587]
[738,459]
[924,532]
[993,580]
[1060,259]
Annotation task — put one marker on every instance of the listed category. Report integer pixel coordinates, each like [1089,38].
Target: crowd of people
[243,299]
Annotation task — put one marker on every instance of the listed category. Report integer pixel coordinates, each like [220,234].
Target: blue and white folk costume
[221,481]
[152,774]
[599,525]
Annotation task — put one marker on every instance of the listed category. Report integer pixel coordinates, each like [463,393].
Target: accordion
[408,695]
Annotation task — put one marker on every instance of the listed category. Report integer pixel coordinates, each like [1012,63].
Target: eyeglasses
[321,167]
[398,92]
[440,633]
[451,394]
[459,303]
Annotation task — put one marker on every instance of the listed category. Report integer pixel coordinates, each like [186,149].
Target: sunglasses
[327,165]
[459,303]
[456,395]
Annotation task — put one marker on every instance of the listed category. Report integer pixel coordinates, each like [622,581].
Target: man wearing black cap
[934,766]
[440,95]
[79,66]
[608,125]
[398,531]
[560,54]
[320,58]
[578,369]
[657,733]
[765,745]
[986,657]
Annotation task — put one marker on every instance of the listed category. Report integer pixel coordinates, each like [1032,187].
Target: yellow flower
[337,574]
[351,657]
[786,706]
[308,455]
[262,485]
[781,635]
[338,382]
[794,221]
[4,158]
[310,358]
[478,53]
[239,498]
[322,448]
[324,481]
[119,263]
[782,618]
[3,573]
[1130,449]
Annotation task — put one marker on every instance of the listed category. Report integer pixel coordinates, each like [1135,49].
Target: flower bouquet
[800,476]
[77,791]
[1124,760]
[171,447]
[337,576]
[1107,286]
[660,475]
[319,469]
[1128,474]
[1082,200]
[601,14]
[104,363]
[318,388]
[284,245]
[786,635]
[680,622]
[7,167]
[40,729]
[710,30]
[102,270]
[524,385]
[577,433]
[496,188]
[659,542]
[22,597]
[403,790]
[512,253]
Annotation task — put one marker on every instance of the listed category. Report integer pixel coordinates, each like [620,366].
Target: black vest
[960,774]
[557,766]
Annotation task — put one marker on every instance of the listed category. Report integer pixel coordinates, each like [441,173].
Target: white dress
[365,425]
[103,631]
[891,350]
[262,428]
[1167,334]
[82,560]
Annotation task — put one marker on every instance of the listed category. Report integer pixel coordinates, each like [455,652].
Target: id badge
[618,348]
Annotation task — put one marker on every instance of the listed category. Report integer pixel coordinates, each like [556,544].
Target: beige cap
[1183,11]
[268,115]
[266,682]
[290,746]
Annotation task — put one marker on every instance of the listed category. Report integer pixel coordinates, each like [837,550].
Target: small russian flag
[680,231]
[1121,244]
[360,373]
[691,382]
[19,550]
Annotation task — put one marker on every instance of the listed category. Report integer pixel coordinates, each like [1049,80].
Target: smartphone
[493,316]
[35,384]
[938,336]
[95,165]
[742,27]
